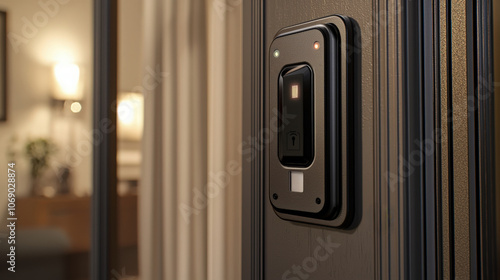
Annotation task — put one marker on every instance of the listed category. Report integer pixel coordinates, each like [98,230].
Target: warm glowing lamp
[67,84]
[130,111]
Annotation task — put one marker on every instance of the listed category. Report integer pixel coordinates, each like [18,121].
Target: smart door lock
[309,170]
[295,95]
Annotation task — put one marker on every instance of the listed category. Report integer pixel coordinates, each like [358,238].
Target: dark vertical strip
[428,126]
[438,138]
[406,48]
[104,228]
[472,87]
[414,115]
[494,24]
[385,74]
[260,194]
[485,224]
[450,139]
[253,181]
[420,134]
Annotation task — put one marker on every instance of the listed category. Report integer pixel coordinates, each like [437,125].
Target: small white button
[297,181]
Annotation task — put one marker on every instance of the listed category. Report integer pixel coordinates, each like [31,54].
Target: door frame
[104,197]
[252,194]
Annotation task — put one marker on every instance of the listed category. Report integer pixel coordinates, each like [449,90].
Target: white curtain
[190,191]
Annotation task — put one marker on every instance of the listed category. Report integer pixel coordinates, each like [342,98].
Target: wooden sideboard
[72,215]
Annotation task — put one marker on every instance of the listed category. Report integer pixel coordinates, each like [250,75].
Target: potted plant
[39,152]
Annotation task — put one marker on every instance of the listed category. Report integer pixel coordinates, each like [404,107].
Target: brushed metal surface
[445,111]
[460,139]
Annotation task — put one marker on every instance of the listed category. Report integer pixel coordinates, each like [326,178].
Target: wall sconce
[68,89]
[130,111]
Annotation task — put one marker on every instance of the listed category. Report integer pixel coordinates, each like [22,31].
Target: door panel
[423,168]
[302,251]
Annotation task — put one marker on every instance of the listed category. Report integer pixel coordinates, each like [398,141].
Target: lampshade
[130,111]
[67,85]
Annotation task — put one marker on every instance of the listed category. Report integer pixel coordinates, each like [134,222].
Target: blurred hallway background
[178,137]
